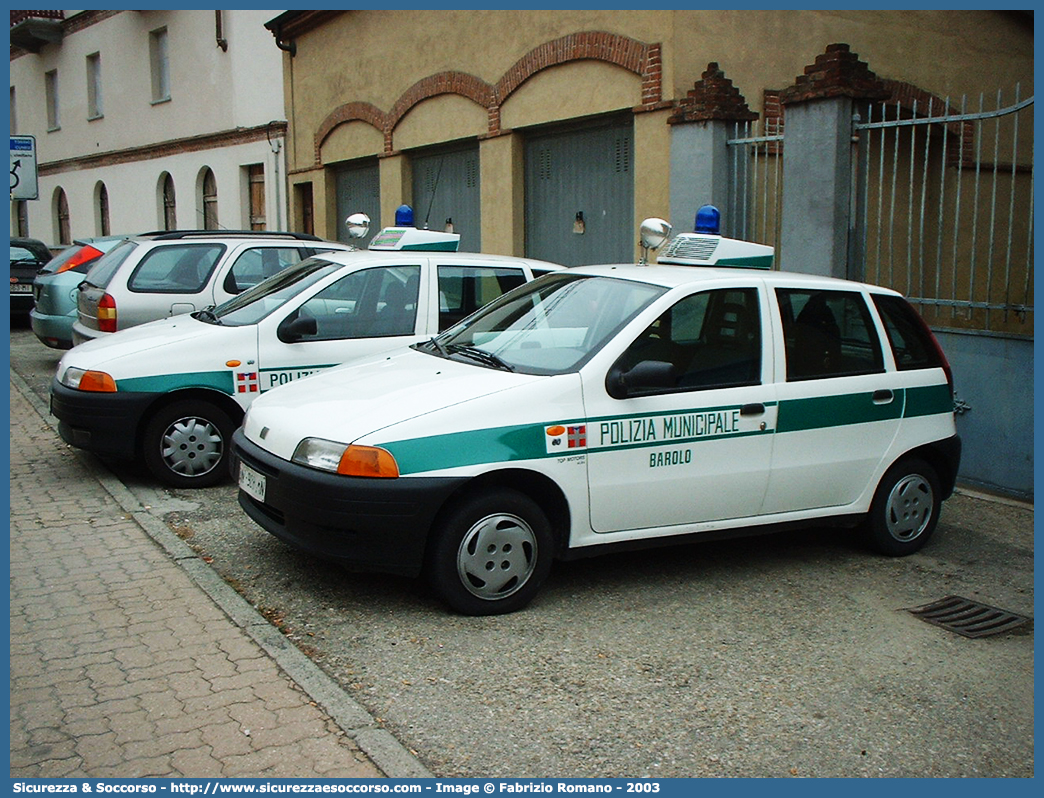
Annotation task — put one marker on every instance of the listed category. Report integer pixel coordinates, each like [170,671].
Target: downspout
[276,146]
[221,41]
[282,44]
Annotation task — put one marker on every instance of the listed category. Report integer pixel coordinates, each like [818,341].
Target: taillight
[107,314]
[82,259]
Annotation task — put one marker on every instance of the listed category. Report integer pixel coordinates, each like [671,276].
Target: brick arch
[909,97]
[449,82]
[350,112]
[644,60]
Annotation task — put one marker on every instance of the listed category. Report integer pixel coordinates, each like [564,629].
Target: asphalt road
[789,655]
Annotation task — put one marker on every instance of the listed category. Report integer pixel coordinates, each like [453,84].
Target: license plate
[251,482]
[18,288]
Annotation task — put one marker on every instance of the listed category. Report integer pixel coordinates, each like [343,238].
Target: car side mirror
[293,329]
[644,376]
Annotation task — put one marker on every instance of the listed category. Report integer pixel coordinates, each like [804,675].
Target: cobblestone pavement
[130,658]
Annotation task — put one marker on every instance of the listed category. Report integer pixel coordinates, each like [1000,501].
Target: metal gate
[753,211]
[580,195]
[447,194]
[359,191]
[943,210]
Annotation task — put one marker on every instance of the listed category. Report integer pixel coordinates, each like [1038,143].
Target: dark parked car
[27,257]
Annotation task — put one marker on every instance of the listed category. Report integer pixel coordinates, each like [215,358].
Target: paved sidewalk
[130,658]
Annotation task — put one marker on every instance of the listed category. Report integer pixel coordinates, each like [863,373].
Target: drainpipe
[221,41]
[276,145]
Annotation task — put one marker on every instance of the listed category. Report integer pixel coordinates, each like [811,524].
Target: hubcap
[192,447]
[497,556]
[909,508]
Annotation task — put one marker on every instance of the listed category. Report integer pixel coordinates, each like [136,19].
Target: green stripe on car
[529,441]
[165,383]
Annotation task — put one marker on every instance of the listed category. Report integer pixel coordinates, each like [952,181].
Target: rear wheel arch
[906,506]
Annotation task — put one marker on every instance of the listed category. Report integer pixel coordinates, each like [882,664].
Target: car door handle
[754,409]
[883,397]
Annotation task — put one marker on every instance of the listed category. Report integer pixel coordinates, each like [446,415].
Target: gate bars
[938,221]
[755,195]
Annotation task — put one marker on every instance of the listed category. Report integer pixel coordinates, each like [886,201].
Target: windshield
[255,304]
[550,326]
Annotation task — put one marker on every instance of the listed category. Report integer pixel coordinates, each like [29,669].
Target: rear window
[912,342]
[20,253]
[465,289]
[178,269]
[60,259]
[108,264]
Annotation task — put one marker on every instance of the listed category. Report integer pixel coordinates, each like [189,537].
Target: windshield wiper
[207,315]
[435,342]
[481,355]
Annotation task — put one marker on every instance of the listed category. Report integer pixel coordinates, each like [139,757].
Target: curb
[387,753]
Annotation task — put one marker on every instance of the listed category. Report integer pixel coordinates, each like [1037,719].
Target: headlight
[86,380]
[351,461]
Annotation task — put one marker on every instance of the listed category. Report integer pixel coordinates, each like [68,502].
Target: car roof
[670,276]
[261,235]
[27,243]
[396,257]
[101,239]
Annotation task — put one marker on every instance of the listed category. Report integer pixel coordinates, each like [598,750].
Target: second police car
[171,392]
[613,406]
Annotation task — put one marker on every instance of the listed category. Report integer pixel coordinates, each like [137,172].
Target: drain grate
[969,618]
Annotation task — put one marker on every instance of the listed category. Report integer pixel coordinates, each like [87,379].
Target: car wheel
[905,510]
[186,444]
[490,553]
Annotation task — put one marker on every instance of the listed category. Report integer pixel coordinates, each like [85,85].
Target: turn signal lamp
[368,461]
[350,461]
[107,314]
[84,380]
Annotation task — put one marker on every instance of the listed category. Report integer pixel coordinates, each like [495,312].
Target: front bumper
[372,524]
[103,423]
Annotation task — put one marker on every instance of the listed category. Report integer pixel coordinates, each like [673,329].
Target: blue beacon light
[708,220]
[404,216]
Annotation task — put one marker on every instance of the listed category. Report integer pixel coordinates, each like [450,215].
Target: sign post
[23,168]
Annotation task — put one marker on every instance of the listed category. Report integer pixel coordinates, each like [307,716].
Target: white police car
[172,391]
[611,406]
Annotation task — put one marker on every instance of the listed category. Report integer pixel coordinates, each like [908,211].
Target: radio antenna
[434,188]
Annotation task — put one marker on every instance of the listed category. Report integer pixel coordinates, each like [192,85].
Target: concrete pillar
[396,178]
[699,164]
[817,180]
[817,161]
[503,195]
[699,170]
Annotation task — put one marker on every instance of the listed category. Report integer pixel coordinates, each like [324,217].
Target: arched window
[101,209]
[210,210]
[61,217]
[168,203]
